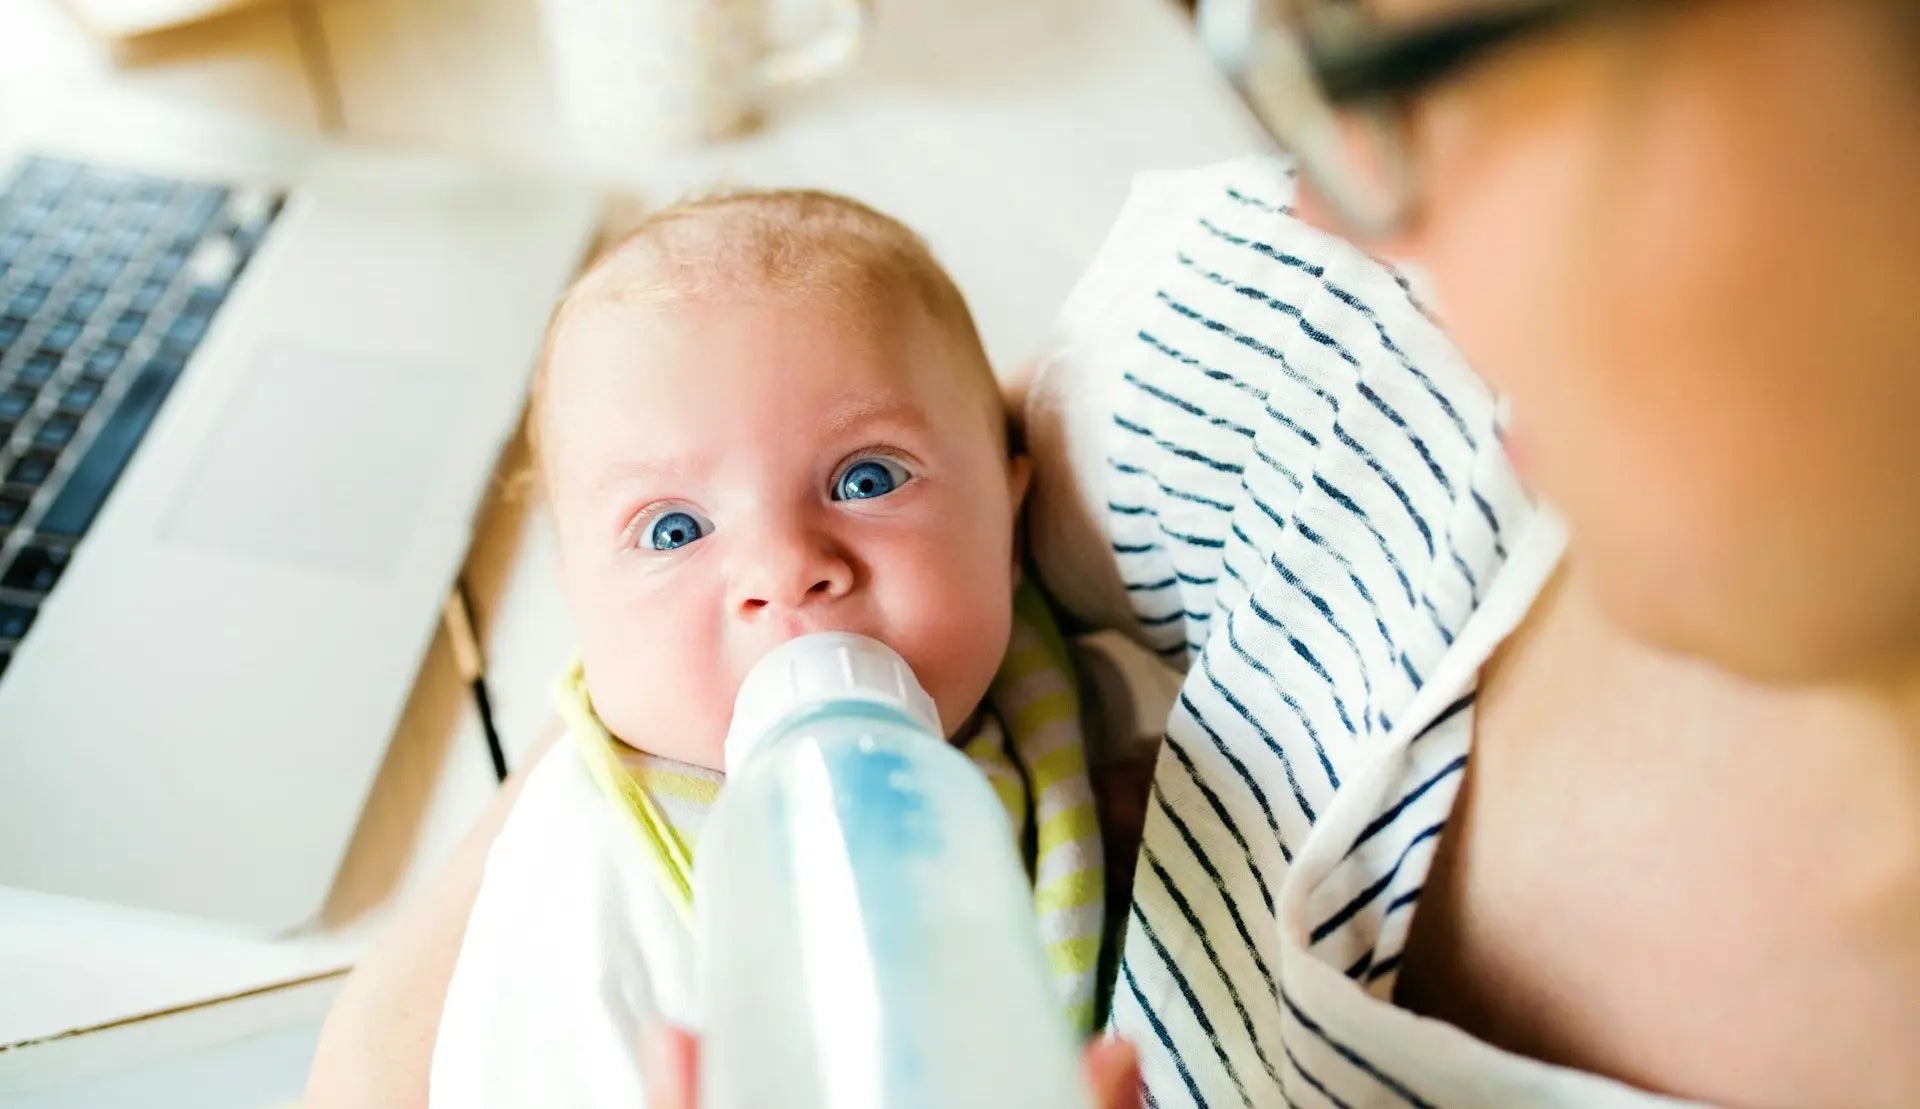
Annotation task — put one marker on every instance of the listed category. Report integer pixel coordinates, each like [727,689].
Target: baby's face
[729,475]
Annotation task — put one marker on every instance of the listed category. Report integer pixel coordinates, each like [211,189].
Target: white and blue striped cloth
[1301,485]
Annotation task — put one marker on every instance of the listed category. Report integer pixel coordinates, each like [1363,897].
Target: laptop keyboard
[108,282]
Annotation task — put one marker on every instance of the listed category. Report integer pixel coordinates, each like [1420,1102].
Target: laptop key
[148,295]
[169,263]
[78,398]
[32,468]
[51,268]
[60,336]
[81,304]
[56,432]
[87,487]
[186,331]
[102,361]
[105,270]
[15,620]
[10,329]
[15,402]
[39,368]
[28,301]
[37,568]
[127,327]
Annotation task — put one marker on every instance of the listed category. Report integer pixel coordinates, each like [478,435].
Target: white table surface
[1006,131]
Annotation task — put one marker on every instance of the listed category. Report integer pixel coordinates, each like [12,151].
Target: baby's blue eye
[673,530]
[869,478]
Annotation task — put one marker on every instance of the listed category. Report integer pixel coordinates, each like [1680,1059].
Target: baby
[757,416]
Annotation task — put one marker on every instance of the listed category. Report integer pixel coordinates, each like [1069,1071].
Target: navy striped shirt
[1301,485]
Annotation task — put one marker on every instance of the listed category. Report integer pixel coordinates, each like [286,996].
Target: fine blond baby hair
[786,241]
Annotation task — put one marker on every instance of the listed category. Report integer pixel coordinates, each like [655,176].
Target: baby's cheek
[954,621]
[653,673]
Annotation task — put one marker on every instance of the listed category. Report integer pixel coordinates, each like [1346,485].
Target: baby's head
[764,415]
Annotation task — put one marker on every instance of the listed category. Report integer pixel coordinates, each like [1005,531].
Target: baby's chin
[636,723]
[711,751]
[969,724]
[697,746]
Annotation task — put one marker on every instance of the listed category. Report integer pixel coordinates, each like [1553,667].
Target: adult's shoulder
[1229,381]
[1160,206]
[1092,346]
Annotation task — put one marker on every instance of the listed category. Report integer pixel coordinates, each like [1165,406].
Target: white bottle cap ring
[817,669]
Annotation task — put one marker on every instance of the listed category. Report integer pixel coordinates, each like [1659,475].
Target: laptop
[252,393]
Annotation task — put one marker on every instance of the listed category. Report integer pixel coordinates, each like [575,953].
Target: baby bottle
[865,933]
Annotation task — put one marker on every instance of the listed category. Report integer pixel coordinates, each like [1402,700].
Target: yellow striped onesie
[578,937]
[1028,743]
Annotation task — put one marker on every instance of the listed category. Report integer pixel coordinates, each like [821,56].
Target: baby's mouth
[789,628]
[793,625]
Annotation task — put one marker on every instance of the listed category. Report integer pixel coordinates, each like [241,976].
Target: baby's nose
[794,594]
[793,574]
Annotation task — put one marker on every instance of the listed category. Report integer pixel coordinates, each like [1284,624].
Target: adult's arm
[377,1045]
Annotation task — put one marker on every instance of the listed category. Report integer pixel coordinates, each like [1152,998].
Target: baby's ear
[1019,477]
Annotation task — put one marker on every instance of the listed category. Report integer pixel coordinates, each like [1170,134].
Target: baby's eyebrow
[630,471]
[842,420]
[863,411]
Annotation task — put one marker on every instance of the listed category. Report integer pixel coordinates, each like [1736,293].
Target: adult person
[1461,805]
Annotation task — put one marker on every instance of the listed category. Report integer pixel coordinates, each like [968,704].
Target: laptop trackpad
[323,459]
